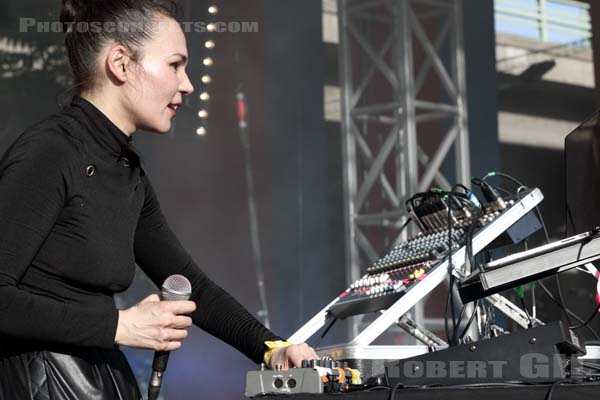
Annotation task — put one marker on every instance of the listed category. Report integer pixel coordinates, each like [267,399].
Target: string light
[206,78]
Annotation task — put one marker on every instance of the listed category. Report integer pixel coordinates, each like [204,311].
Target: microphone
[175,287]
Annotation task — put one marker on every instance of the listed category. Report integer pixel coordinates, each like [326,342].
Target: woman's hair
[89,24]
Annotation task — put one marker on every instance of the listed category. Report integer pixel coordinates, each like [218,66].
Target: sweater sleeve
[34,180]
[159,254]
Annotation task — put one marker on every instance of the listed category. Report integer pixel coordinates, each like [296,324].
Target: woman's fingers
[178,307]
[180,322]
[172,335]
[298,352]
[168,339]
[292,356]
[165,346]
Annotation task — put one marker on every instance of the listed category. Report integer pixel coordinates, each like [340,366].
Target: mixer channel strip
[394,274]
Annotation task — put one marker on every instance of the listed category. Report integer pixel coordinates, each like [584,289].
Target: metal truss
[404,117]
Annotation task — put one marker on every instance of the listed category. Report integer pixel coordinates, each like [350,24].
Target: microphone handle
[159,366]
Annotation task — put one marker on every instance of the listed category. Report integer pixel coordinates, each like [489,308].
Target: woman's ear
[117,63]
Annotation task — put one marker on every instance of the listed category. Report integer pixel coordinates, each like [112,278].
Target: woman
[78,212]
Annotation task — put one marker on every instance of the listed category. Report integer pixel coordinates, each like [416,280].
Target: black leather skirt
[72,374]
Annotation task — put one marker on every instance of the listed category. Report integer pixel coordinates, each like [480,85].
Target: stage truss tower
[404,117]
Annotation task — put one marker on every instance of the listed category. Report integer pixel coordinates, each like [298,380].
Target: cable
[450,270]
[549,294]
[450,303]
[479,182]
[460,317]
[587,321]
[551,390]
[502,174]
[393,390]
[446,312]
[325,331]
[471,319]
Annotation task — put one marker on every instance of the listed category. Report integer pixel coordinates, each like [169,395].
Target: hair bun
[72,10]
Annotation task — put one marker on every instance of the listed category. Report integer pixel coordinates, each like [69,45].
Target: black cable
[587,321]
[460,317]
[471,319]
[549,294]
[460,185]
[393,390]
[325,331]
[502,174]
[478,182]
[562,299]
[450,268]
[446,313]
[450,303]
[469,241]
[551,390]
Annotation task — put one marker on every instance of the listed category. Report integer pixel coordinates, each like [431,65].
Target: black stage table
[564,391]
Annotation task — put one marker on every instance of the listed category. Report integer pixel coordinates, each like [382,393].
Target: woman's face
[160,80]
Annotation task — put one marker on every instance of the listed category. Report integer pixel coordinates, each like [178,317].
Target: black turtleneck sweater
[76,213]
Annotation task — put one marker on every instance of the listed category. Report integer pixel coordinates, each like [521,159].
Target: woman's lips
[172,109]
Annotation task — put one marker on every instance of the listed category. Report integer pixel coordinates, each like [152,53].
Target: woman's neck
[111,109]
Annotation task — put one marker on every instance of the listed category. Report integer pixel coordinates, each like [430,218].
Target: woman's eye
[175,66]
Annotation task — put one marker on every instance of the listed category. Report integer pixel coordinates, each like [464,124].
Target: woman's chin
[165,127]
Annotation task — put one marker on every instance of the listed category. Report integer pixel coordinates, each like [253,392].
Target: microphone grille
[176,287]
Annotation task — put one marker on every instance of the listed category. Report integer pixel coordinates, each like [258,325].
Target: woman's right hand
[154,324]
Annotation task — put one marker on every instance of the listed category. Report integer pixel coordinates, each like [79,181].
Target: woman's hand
[154,324]
[292,356]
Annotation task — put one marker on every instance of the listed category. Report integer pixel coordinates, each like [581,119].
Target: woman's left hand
[292,356]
